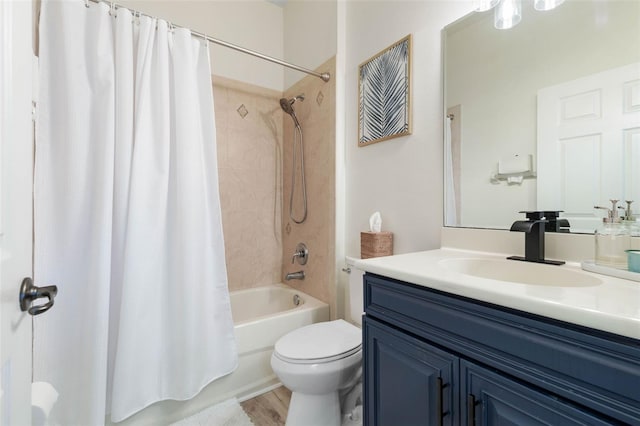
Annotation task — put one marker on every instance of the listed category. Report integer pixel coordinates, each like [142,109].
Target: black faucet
[555,223]
[534,228]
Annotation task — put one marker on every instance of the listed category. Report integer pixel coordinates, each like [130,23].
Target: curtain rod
[325,76]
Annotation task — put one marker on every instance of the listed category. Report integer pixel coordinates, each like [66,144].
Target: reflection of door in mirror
[452,189]
[496,76]
[589,144]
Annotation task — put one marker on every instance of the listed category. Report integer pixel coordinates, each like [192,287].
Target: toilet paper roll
[43,398]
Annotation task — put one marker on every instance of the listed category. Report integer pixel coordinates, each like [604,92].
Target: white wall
[310,35]
[402,177]
[253,24]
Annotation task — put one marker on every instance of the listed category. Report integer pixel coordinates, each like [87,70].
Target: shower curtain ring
[86,4]
[112,9]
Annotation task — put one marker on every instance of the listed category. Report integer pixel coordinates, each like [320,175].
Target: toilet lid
[319,341]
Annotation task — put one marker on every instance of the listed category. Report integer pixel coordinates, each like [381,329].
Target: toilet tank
[356,303]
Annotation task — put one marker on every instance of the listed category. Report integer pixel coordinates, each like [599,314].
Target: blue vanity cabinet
[411,382]
[433,358]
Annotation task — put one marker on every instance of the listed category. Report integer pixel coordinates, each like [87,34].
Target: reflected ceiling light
[484,5]
[546,4]
[508,14]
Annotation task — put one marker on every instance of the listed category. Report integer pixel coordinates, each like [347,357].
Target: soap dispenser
[612,239]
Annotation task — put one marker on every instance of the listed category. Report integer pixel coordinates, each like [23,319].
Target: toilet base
[314,410]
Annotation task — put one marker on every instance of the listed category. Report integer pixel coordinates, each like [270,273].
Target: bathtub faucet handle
[301,253]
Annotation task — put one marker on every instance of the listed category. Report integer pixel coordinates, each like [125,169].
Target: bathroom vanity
[461,338]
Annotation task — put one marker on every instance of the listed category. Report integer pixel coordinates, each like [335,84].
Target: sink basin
[521,272]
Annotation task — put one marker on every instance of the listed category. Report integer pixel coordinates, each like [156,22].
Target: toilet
[322,365]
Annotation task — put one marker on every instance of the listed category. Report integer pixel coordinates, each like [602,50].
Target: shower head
[287,106]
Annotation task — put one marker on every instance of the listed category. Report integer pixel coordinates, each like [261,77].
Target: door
[16,171]
[590,127]
[490,399]
[407,381]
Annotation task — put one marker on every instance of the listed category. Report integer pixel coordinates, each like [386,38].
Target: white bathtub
[261,316]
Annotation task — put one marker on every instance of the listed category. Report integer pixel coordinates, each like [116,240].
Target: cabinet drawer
[591,368]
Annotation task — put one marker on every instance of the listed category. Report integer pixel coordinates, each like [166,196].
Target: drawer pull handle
[440,401]
[471,410]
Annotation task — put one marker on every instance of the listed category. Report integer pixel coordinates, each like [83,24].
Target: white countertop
[612,306]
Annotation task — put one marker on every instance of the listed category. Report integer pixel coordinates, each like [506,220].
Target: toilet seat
[318,360]
[319,343]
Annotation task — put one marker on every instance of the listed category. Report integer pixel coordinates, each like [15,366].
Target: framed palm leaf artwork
[384,108]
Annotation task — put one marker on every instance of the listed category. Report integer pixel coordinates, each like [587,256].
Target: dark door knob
[30,292]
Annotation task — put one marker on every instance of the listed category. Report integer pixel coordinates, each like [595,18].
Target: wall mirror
[543,116]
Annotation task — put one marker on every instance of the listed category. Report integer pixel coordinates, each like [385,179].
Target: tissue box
[376,244]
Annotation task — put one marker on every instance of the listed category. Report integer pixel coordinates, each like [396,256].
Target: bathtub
[261,316]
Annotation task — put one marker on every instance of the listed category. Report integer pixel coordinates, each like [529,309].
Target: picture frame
[384,94]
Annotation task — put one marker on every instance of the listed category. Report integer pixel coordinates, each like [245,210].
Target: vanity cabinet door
[489,399]
[407,381]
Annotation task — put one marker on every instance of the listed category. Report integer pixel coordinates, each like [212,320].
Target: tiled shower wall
[317,119]
[255,140]
[249,138]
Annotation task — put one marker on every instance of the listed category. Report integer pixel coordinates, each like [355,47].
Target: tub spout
[295,276]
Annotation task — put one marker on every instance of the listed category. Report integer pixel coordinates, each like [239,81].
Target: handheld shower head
[287,106]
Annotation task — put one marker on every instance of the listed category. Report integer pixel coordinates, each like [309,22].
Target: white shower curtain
[450,210]
[127,215]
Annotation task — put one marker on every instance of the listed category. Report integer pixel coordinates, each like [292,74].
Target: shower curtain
[450,210]
[127,215]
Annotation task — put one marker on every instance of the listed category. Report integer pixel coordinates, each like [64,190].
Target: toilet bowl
[317,363]
[322,366]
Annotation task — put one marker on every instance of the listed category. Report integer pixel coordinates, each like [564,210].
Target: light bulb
[547,4]
[484,5]
[508,14]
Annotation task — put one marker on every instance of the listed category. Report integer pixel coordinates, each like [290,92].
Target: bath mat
[227,413]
